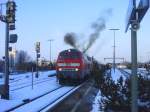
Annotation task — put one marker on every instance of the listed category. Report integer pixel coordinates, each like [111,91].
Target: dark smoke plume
[98,27]
[70,38]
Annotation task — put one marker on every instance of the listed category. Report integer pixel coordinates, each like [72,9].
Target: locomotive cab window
[69,55]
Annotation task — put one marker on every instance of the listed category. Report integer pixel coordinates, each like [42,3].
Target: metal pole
[37,73]
[32,77]
[134,88]
[6,90]
[114,53]
[50,50]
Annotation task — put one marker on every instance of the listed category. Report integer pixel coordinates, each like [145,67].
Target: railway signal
[11,26]
[13,38]
[37,48]
[9,19]
[10,11]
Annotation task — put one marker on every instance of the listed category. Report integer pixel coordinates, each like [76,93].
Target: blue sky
[41,20]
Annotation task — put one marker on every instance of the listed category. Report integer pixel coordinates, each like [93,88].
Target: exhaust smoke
[98,26]
[70,38]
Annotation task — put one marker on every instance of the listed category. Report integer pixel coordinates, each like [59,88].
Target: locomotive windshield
[69,55]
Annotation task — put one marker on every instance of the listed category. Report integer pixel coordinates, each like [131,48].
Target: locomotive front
[70,65]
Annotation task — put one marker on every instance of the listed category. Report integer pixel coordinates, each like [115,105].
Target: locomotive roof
[70,50]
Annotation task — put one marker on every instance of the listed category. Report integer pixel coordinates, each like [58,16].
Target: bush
[117,95]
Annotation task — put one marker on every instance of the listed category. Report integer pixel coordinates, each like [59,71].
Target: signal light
[37,47]
[10,11]
[76,69]
[60,69]
[11,26]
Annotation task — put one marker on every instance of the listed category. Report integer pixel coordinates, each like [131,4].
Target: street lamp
[114,52]
[50,40]
[148,58]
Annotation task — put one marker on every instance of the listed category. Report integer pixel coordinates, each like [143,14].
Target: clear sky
[41,20]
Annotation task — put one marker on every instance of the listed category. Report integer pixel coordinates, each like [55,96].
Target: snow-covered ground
[1,78]
[21,88]
[144,72]
[116,74]
[96,103]
[37,105]
[44,92]
[16,78]
[141,71]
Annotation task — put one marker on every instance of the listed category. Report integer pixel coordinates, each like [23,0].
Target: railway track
[16,80]
[23,85]
[57,100]
[29,81]
[52,94]
[73,100]
[23,77]
[26,101]
[125,73]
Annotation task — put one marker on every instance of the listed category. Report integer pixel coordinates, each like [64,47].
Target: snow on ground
[61,99]
[116,74]
[27,78]
[127,70]
[7,104]
[144,72]
[39,89]
[1,78]
[18,77]
[141,71]
[1,74]
[96,103]
[42,102]
[16,96]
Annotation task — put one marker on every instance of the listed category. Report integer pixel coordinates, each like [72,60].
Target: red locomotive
[72,65]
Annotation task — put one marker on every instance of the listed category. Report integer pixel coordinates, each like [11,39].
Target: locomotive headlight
[60,69]
[76,69]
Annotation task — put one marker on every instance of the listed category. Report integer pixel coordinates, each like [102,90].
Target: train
[73,66]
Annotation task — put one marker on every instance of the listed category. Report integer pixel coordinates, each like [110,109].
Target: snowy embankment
[116,74]
[40,103]
[119,89]
[16,78]
[1,78]
[142,71]
[96,103]
[28,92]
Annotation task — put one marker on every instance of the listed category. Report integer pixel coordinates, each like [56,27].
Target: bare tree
[1,65]
[23,57]
[22,61]
[11,61]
